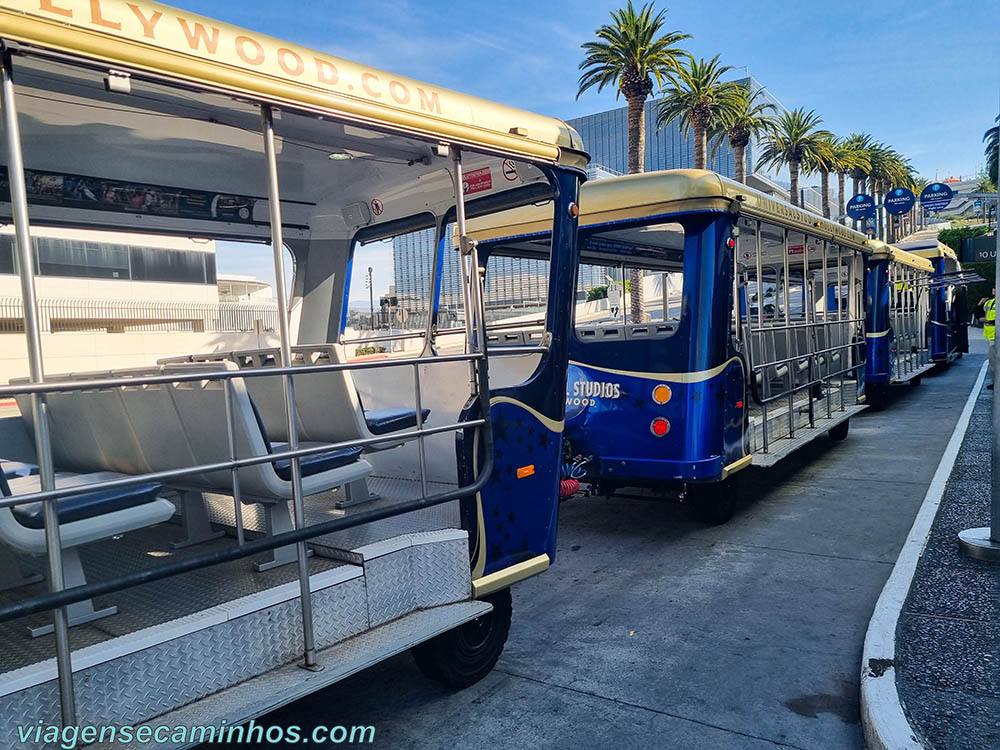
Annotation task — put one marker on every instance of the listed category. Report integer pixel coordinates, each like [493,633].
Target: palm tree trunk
[636,163]
[825,192]
[636,134]
[857,189]
[700,147]
[841,187]
[793,177]
[740,163]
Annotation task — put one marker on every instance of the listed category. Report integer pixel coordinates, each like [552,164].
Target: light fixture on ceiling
[340,156]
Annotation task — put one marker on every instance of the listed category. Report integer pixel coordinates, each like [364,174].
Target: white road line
[885,724]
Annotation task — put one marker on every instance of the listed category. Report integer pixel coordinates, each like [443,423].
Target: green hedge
[953,237]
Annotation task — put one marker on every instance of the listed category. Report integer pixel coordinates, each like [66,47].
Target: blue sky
[922,77]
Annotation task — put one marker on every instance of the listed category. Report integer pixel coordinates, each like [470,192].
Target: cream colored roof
[652,193]
[941,251]
[881,249]
[146,36]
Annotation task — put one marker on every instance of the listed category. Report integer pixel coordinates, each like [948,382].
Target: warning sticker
[377,207]
[509,170]
[477,180]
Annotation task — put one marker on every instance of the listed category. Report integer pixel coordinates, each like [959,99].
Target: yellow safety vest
[989,327]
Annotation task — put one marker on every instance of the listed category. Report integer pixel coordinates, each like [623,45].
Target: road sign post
[984,542]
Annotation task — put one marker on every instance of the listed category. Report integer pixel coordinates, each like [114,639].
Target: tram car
[949,307]
[898,332]
[716,328]
[256,525]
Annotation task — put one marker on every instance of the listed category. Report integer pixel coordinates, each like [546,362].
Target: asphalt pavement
[652,630]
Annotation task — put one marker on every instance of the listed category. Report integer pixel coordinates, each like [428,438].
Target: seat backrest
[327,405]
[72,420]
[201,409]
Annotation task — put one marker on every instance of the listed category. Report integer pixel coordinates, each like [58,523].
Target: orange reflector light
[659,427]
[662,394]
[525,471]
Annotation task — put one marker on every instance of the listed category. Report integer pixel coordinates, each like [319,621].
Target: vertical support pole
[846,350]
[896,301]
[231,434]
[298,503]
[765,379]
[809,318]
[420,428]
[853,303]
[43,446]
[995,494]
[790,363]
[828,356]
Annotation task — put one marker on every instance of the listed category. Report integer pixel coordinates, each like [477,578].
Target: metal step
[916,373]
[222,644]
[281,686]
[784,447]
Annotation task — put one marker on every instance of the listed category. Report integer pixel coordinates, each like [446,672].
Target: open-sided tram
[749,343]
[203,540]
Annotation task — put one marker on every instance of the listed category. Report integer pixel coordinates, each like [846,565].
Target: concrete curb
[882,717]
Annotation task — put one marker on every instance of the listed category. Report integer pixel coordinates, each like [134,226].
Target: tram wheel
[875,398]
[715,502]
[466,654]
[840,431]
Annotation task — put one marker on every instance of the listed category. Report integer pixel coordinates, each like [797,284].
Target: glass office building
[605,136]
[519,283]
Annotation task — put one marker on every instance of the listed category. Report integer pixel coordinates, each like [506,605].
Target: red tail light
[659,427]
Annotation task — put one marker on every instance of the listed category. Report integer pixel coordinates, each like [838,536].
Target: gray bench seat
[384,421]
[12,469]
[79,507]
[87,517]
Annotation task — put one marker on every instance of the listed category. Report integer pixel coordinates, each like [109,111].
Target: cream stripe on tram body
[748,344]
[308,514]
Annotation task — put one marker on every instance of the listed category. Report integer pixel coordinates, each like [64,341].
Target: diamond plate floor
[142,606]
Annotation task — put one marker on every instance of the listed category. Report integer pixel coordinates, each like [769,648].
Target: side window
[515,289]
[391,289]
[649,255]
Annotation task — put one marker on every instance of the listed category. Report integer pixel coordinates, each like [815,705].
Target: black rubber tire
[715,502]
[466,654]
[840,431]
[875,398]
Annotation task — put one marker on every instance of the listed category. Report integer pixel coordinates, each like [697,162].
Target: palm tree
[697,99]
[629,53]
[794,138]
[859,143]
[991,137]
[745,119]
[821,160]
[919,183]
[847,157]
[888,169]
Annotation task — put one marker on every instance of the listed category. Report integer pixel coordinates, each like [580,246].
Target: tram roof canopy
[881,249]
[153,38]
[928,249]
[666,192]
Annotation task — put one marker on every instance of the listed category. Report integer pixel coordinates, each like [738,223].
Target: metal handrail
[115,382]
[229,464]
[45,602]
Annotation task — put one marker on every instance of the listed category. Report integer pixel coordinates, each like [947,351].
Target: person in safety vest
[989,320]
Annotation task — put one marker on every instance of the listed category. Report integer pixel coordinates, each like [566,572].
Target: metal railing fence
[61,315]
